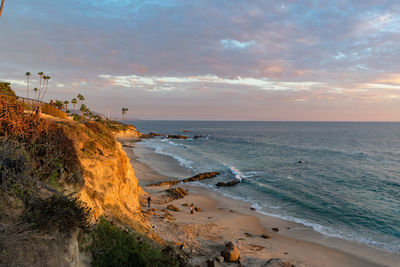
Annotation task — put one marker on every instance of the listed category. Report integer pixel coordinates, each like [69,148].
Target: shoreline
[233,220]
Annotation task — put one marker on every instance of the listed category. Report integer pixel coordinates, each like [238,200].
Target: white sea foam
[236,172]
[165,140]
[324,230]
[159,148]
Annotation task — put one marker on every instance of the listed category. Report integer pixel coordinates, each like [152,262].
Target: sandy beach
[222,219]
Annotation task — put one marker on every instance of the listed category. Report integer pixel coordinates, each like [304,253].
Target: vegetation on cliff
[56,178]
[112,246]
[5,89]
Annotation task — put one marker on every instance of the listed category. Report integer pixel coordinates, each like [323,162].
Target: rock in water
[150,135]
[230,183]
[231,254]
[198,177]
[176,136]
[201,176]
[275,262]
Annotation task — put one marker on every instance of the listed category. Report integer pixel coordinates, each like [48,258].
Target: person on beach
[191,208]
[148,202]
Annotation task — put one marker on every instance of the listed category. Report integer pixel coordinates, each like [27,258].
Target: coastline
[224,219]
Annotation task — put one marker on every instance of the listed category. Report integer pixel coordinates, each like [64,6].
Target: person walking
[191,208]
[148,202]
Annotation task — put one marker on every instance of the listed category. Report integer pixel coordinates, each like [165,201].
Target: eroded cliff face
[129,133]
[110,186]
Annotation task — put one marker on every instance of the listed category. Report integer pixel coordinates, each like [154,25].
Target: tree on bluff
[5,89]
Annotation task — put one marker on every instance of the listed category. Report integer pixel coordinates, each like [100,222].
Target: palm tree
[66,102]
[124,110]
[1,7]
[83,109]
[59,104]
[35,89]
[46,78]
[80,97]
[28,74]
[40,84]
[74,102]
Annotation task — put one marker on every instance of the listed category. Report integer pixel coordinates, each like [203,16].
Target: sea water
[340,178]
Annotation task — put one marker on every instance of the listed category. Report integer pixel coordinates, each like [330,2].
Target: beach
[222,219]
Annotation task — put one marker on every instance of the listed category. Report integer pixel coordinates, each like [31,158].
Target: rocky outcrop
[129,132]
[198,177]
[230,183]
[176,193]
[231,253]
[176,136]
[173,208]
[197,136]
[150,135]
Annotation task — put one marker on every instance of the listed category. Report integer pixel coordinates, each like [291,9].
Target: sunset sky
[211,60]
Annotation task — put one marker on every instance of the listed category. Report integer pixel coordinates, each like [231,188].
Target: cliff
[110,186]
[61,168]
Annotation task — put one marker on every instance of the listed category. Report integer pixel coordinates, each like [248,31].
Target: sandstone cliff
[103,178]
[110,186]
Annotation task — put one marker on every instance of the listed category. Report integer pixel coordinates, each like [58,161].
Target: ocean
[340,178]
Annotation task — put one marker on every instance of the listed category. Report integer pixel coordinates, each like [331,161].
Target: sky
[270,60]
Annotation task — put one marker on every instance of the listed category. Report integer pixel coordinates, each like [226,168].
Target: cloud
[236,45]
[329,53]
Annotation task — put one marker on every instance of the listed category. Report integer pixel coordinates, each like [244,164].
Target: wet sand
[223,219]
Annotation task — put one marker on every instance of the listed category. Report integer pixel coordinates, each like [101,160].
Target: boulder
[197,209]
[231,253]
[230,183]
[177,136]
[176,193]
[186,204]
[275,262]
[256,247]
[220,259]
[213,263]
[197,136]
[265,236]
[275,229]
[173,208]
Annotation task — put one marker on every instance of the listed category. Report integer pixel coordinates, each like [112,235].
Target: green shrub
[77,117]
[58,212]
[112,246]
[5,89]
[101,133]
[15,167]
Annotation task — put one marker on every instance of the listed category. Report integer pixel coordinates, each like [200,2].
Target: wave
[324,230]
[165,140]
[158,148]
[238,175]
[327,231]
